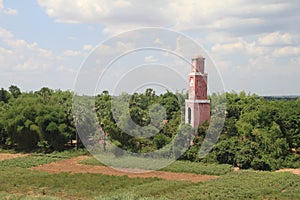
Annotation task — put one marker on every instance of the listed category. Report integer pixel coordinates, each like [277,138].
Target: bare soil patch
[72,166]
[5,156]
[294,171]
[235,169]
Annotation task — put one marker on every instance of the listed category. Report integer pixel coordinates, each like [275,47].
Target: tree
[15,91]
[257,133]
[4,95]
[31,123]
[45,93]
[171,104]
[160,140]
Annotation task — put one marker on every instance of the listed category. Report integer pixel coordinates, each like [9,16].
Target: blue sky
[254,44]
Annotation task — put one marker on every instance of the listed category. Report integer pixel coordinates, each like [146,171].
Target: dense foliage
[40,120]
[143,136]
[258,133]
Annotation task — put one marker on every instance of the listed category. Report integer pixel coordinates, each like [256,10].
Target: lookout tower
[197,106]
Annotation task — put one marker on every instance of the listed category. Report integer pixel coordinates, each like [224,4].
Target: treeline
[258,133]
[136,129]
[40,120]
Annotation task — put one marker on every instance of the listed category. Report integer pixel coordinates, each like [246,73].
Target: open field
[18,181]
[178,166]
[72,166]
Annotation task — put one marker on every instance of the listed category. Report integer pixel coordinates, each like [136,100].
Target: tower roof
[198,57]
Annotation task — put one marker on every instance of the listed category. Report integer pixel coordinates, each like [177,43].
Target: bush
[261,164]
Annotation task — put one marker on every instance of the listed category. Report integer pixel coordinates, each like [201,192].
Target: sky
[254,45]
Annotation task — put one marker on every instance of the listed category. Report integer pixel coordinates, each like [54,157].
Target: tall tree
[14,90]
[4,95]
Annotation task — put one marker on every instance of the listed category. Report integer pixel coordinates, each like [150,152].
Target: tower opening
[189,115]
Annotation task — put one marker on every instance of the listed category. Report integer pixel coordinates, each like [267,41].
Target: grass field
[39,159]
[19,182]
[179,166]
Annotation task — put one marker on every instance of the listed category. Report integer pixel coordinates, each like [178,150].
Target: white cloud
[231,22]
[7,11]
[217,38]
[1,5]
[87,47]
[121,15]
[20,55]
[240,46]
[75,11]
[79,53]
[150,59]
[287,51]
[31,66]
[228,48]
[220,15]
[45,53]
[71,53]
[4,53]
[64,69]
[10,11]
[114,29]
[275,38]
[243,36]
[261,62]
[5,34]
[296,60]
[114,49]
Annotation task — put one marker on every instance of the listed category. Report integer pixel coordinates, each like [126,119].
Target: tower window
[189,115]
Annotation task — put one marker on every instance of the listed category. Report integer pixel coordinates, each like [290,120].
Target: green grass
[235,185]
[198,168]
[27,161]
[79,186]
[244,185]
[180,166]
[18,182]
[26,197]
[65,154]
[133,162]
[28,184]
[7,151]
[39,159]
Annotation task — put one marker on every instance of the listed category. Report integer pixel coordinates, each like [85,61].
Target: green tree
[15,91]
[4,95]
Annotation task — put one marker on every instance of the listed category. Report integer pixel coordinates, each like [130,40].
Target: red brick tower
[197,106]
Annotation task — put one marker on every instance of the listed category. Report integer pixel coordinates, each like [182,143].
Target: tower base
[197,112]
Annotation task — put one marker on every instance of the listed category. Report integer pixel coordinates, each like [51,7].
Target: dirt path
[72,166]
[5,156]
